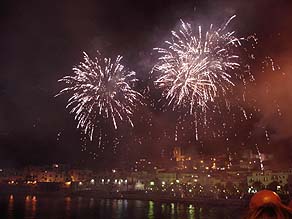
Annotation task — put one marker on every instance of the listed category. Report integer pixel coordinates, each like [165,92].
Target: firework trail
[194,66]
[101,88]
[260,158]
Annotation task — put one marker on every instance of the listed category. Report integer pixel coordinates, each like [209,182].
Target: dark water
[53,207]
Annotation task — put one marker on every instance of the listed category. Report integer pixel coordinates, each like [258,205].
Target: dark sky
[40,41]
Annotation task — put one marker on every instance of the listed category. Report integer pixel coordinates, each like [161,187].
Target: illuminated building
[183,162]
[78,175]
[50,176]
[269,179]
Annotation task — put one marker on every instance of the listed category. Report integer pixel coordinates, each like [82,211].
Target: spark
[101,88]
[260,158]
[175,135]
[267,136]
[269,62]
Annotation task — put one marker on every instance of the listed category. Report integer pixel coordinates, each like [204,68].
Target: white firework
[101,88]
[195,66]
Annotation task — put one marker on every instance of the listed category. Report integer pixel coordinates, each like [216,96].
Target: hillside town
[226,176]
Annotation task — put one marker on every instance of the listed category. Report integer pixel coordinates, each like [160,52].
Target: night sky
[40,41]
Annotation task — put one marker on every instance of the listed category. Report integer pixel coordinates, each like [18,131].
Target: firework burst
[101,88]
[194,66]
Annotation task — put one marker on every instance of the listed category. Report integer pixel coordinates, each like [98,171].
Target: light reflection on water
[51,207]
[30,204]
[10,206]
[67,207]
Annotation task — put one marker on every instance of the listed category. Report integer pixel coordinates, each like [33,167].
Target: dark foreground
[75,207]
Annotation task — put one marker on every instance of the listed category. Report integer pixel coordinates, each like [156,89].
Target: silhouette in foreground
[267,204]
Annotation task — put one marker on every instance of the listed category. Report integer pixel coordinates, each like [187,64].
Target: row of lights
[103,181]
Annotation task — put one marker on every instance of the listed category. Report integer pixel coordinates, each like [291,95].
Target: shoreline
[141,196]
